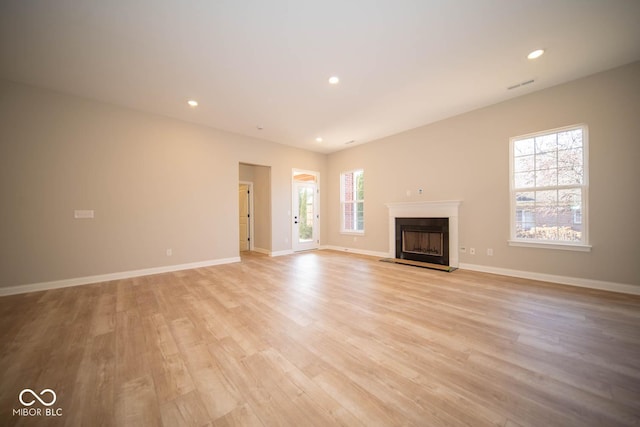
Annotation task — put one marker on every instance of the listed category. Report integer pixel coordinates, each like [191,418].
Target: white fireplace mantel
[432,209]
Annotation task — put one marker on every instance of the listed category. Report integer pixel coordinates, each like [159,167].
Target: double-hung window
[549,189]
[352,201]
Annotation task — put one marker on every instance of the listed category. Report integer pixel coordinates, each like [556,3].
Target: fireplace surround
[432,209]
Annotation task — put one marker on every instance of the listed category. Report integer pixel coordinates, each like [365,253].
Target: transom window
[549,188]
[352,201]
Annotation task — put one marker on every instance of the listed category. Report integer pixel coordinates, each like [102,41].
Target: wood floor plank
[184,410]
[241,416]
[136,403]
[323,338]
[104,317]
[94,386]
[171,377]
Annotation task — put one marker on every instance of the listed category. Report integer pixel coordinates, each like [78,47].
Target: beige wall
[157,183]
[467,158]
[154,183]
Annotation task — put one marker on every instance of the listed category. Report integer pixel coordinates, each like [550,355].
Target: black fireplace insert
[423,239]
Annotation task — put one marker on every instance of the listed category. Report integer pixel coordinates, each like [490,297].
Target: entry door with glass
[306,218]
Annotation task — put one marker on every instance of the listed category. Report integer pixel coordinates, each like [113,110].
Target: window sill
[579,247]
[353,233]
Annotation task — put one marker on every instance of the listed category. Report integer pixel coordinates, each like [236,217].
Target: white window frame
[343,203]
[583,245]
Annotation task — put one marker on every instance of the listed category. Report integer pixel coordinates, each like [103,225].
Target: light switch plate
[83,214]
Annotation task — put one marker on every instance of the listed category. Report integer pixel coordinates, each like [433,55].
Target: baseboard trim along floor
[77,281]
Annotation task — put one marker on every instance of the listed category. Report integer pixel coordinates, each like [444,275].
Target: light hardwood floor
[323,338]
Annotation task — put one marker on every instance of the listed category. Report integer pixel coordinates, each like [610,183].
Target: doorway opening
[259,201]
[306,210]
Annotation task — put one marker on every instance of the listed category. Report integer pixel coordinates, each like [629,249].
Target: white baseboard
[281,253]
[261,251]
[563,280]
[356,251]
[65,283]
[272,254]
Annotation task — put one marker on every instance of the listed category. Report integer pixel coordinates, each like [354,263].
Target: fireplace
[422,242]
[423,239]
[427,209]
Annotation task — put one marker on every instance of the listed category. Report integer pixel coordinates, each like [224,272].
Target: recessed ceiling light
[318,139]
[192,103]
[260,127]
[536,54]
[334,80]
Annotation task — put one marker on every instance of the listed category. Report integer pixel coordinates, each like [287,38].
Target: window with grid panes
[352,201]
[549,188]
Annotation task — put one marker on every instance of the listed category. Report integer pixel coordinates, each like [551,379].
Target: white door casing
[245,217]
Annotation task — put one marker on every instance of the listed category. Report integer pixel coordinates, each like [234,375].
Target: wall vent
[528,82]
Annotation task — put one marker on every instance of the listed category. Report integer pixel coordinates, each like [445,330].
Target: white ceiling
[402,63]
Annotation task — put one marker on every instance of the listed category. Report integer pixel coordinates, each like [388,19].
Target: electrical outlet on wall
[472,251]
